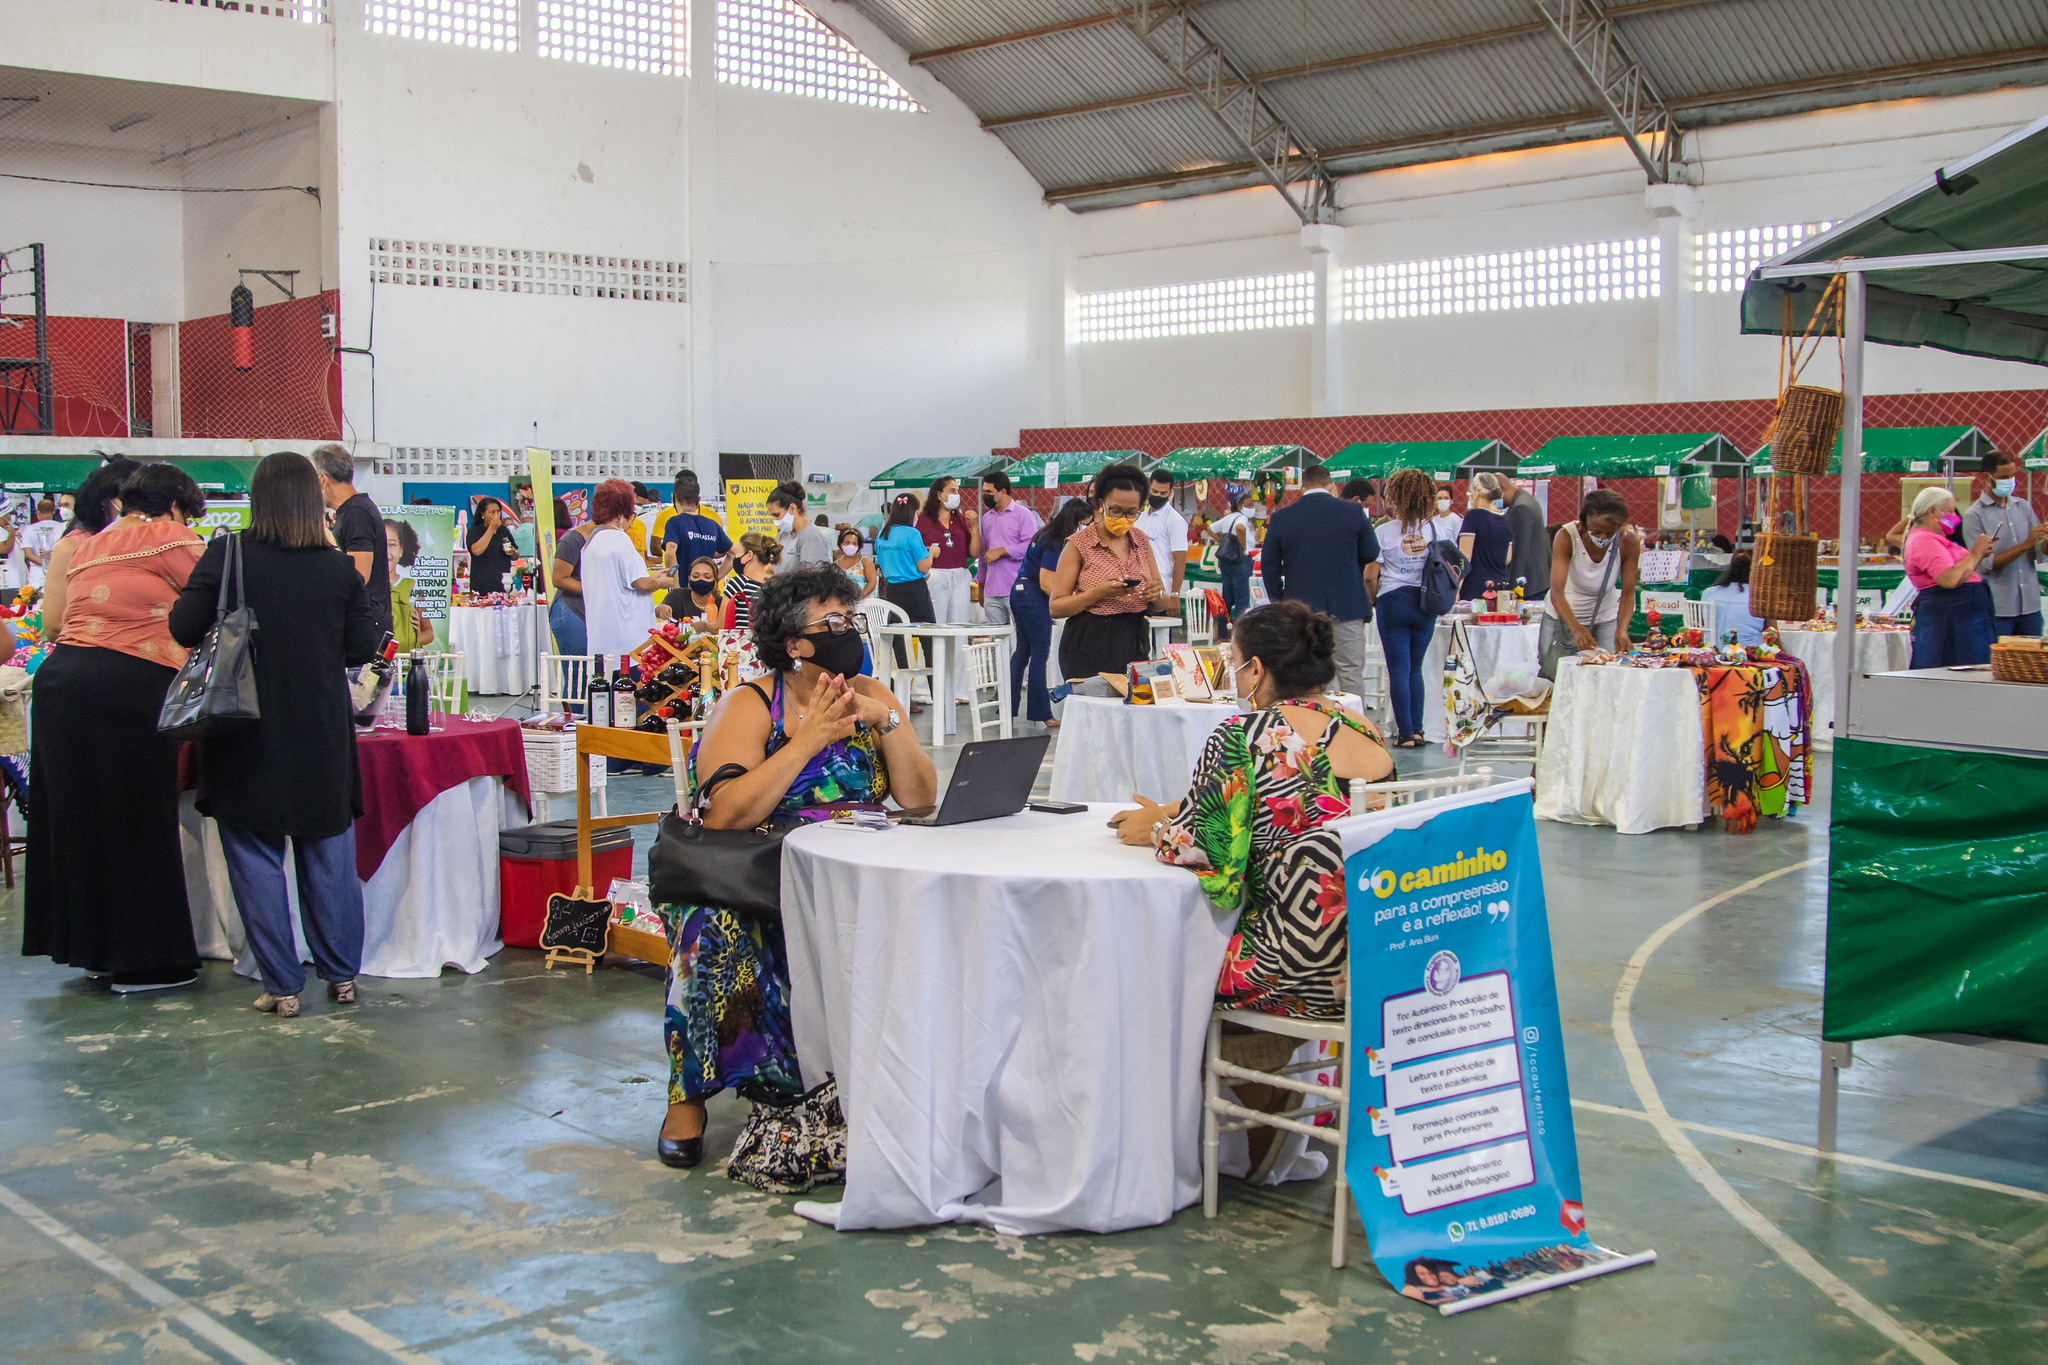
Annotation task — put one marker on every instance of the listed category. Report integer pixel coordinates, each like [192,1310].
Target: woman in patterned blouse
[1253,826]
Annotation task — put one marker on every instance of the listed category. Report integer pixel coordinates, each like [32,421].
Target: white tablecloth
[432,903]
[1108,750]
[1877,651]
[1624,748]
[500,646]
[1494,648]
[1015,1011]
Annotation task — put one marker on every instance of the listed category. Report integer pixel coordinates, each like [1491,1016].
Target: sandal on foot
[283,1006]
[342,992]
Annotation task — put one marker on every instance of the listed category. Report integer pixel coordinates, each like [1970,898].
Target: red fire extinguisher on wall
[242,318]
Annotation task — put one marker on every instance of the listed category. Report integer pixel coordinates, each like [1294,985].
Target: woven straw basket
[1803,436]
[1784,578]
[2020,659]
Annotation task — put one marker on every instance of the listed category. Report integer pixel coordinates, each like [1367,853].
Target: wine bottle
[597,697]
[419,696]
[623,709]
[372,686]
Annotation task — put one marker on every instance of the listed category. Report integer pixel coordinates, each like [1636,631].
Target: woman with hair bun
[1279,774]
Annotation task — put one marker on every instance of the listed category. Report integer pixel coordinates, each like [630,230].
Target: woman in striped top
[753,563]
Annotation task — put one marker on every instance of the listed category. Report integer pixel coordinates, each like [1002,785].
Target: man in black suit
[1321,550]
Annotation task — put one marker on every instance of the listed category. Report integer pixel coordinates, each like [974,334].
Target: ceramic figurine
[1656,643]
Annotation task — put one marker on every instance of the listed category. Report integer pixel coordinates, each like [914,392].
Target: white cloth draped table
[433,901]
[1109,749]
[1495,649]
[1877,651]
[500,646]
[1624,748]
[1015,1011]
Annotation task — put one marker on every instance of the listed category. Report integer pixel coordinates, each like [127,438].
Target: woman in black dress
[292,774]
[491,548]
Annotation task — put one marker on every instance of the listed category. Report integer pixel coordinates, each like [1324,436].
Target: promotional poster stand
[1459,1146]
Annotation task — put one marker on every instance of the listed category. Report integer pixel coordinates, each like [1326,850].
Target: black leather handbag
[738,869]
[215,690]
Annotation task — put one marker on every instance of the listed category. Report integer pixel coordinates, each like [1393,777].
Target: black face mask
[988,501]
[701,586]
[1156,501]
[839,654]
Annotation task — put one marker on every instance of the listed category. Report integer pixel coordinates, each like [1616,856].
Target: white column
[702,151]
[1062,302]
[1675,207]
[1324,243]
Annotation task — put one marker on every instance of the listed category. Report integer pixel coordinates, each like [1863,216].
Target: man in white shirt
[1166,529]
[13,562]
[38,538]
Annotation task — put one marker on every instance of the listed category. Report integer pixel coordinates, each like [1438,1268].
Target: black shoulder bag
[215,690]
[738,869]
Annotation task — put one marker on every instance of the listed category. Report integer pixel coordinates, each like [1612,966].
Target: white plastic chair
[1378,699]
[1700,616]
[1194,614]
[985,684]
[1220,1116]
[564,681]
[920,666]
[446,670]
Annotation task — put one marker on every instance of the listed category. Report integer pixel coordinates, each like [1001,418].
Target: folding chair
[1220,1116]
[1194,614]
[920,665]
[985,674]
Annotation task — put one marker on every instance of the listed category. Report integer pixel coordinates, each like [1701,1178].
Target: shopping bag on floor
[793,1145]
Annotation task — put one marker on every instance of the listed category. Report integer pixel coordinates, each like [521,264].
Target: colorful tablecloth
[402,773]
[1755,722]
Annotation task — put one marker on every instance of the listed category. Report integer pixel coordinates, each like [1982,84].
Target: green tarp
[1904,450]
[2035,456]
[45,473]
[1937,875]
[1627,457]
[1075,466]
[1997,197]
[218,474]
[1441,460]
[920,471]
[1232,462]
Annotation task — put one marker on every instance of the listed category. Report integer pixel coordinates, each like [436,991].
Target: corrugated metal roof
[1387,82]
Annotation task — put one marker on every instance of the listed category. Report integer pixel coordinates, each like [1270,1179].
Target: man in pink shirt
[1006,530]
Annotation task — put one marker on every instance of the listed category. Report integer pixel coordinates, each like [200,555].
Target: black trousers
[915,597]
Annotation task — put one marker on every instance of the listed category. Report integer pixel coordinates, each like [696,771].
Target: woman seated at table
[1730,599]
[699,600]
[1281,773]
[1952,620]
[1106,582]
[811,737]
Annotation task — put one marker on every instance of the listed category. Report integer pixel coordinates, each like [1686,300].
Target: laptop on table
[992,779]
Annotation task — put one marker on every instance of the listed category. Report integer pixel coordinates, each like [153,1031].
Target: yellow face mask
[1118,523]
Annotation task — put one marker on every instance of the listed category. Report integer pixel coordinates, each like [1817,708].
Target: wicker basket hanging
[1803,435]
[1784,577]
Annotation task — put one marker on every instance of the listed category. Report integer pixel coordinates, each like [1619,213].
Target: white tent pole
[1849,541]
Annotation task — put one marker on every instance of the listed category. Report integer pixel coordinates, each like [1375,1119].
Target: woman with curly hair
[1405,628]
[618,588]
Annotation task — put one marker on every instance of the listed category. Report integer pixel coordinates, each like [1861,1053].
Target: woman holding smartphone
[1107,582]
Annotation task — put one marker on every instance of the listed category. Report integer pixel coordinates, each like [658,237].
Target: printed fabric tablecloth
[500,646]
[1877,651]
[1495,650]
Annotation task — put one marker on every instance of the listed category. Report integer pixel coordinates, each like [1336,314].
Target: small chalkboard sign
[577,929]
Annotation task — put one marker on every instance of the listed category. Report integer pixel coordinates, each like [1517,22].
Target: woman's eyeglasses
[837,623]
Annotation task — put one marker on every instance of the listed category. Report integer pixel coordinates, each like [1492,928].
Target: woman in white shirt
[1405,628]
[618,590]
[1592,578]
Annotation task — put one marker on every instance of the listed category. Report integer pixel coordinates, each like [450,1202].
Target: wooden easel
[636,746]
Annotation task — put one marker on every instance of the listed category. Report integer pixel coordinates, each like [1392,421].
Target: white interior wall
[279,230]
[107,253]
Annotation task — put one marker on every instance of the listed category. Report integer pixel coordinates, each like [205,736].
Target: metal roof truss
[1638,111]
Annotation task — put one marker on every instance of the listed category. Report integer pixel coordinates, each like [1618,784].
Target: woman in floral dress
[1252,825]
[811,737]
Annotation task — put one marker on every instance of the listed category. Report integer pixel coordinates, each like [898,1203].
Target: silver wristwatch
[895,719]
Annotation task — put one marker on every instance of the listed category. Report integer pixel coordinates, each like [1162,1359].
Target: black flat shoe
[681,1153]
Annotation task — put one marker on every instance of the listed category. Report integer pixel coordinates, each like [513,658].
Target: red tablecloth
[402,773]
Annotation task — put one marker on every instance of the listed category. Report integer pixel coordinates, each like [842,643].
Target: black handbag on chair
[215,690]
[739,869]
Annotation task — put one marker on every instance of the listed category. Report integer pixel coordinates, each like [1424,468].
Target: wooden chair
[638,746]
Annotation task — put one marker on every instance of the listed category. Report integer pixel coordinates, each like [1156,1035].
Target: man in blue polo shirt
[689,535]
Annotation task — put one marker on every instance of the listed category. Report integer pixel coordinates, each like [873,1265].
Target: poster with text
[746,507]
[428,559]
[222,514]
[1461,1155]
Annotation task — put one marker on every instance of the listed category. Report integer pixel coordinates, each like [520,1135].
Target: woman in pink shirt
[1952,621]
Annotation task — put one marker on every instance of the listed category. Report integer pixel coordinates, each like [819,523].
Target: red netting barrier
[88,372]
[292,393]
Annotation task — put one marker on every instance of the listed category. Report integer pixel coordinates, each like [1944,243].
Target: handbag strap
[232,567]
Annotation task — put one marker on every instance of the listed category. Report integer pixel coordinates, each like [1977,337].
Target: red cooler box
[539,861]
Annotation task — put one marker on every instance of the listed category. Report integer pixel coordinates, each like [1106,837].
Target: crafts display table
[1495,649]
[1108,749]
[1015,1011]
[1643,749]
[426,851]
[500,646]
[1878,650]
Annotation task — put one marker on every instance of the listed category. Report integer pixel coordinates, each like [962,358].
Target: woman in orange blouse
[1107,581]
[105,888]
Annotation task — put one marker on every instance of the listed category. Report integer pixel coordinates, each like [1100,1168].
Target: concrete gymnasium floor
[462,1170]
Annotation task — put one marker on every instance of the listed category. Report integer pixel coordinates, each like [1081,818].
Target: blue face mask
[2003,487]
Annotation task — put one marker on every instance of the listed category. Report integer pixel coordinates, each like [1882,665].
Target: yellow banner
[541,464]
[746,507]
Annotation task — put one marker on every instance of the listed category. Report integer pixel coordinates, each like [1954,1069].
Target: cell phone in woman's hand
[1132,582]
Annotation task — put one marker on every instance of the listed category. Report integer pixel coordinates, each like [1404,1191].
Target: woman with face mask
[1446,521]
[1952,621]
[1107,581]
[1283,771]
[853,560]
[753,564]
[952,531]
[1592,581]
[698,600]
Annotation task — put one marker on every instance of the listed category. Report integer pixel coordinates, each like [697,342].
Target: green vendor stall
[916,474]
[1444,461]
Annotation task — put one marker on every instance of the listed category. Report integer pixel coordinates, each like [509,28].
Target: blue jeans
[2028,624]
[1237,596]
[1952,626]
[330,904]
[570,635]
[1032,615]
[1405,633]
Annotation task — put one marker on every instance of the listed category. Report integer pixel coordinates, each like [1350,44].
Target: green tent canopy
[1995,199]
[921,470]
[1441,460]
[217,474]
[1903,450]
[2035,456]
[1074,466]
[45,473]
[1232,462]
[1628,457]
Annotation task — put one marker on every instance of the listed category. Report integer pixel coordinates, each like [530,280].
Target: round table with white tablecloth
[1878,650]
[1109,749]
[1495,649]
[1015,1011]
[1624,748]
[500,646]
